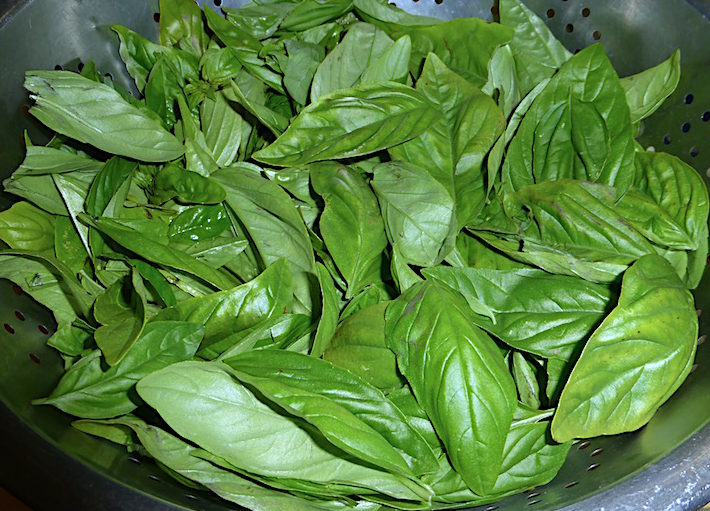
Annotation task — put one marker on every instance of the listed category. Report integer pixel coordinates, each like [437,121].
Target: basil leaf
[279,447]
[311,13]
[107,120]
[647,342]
[198,223]
[359,346]
[531,310]
[223,129]
[303,61]
[325,385]
[417,210]
[121,310]
[348,123]
[89,391]
[351,225]
[330,307]
[458,377]
[272,224]
[647,90]
[362,45]
[537,53]
[158,253]
[259,20]
[181,20]
[578,127]
[25,227]
[40,160]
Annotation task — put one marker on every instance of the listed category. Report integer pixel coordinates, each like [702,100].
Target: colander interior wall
[665,466]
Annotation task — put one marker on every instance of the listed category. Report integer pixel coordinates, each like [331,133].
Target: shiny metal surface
[666,465]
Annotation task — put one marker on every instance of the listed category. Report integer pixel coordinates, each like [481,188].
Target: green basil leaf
[311,13]
[419,212]
[239,308]
[41,160]
[163,88]
[280,447]
[458,377]
[25,227]
[359,346]
[381,12]
[453,147]
[107,120]
[223,129]
[198,223]
[362,45]
[402,274]
[337,390]
[156,281]
[303,61]
[141,54]
[158,253]
[578,127]
[350,123]
[186,187]
[198,156]
[272,224]
[74,195]
[537,53]
[259,20]
[330,307]
[275,122]
[647,90]
[67,244]
[351,225]
[89,391]
[525,376]
[121,310]
[635,360]
[531,310]
[182,20]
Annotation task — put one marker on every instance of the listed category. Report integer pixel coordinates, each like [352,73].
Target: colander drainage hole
[689,99]
[667,140]
[491,508]
[586,12]
[694,152]
[584,445]
[438,2]
[9,328]
[685,127]
[597,451]
[218,2]
[154,477]
[191,496]
[705,117]
[156,17]
[550,13]
[596,35]
[134,460]
[533,502]
[702,339]
[16,289]
[534,494]
[58,68]
[593,466]
[571,484]
[19,315]
[43,329]
[34,358]
[569,28]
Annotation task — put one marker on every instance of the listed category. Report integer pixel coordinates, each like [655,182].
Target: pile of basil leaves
[357,258]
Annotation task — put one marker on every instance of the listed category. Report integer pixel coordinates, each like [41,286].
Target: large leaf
[181,20]
[458,376]
[351,225]
[635,360]
[228,312]
[454,147]
[578,127]
[185,393]
[647,90]
[272,223]
[351,122]
[25,227]
[418,212]
[359,346]
[537,53]
[89,391]
[41,160]
[361,46]
[531,310]
[96,114]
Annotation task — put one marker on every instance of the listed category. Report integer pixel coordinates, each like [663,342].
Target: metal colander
[50,465]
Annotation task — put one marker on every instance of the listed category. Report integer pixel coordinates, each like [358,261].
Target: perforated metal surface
[40,451]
